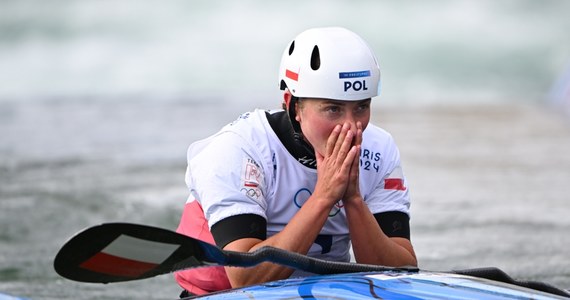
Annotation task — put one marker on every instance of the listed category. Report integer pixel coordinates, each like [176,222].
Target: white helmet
[330,63]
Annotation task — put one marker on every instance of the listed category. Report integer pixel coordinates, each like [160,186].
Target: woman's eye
[333,109]
[363,107]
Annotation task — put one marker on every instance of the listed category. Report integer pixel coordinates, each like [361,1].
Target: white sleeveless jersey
[245,169]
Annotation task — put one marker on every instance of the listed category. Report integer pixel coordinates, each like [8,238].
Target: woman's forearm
[297,236]
[370,244]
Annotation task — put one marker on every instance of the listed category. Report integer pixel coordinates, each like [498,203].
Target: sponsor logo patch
[358,74]
[352,83]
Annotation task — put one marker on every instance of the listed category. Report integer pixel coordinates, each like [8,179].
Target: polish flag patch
[292,75]
[395,180]
[123,258]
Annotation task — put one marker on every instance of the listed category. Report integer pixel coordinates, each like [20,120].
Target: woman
[314,178]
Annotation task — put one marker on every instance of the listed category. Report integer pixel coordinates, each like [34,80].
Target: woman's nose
[351,120]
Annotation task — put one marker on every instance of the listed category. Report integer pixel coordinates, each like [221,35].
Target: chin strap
[292,114]
[297,132]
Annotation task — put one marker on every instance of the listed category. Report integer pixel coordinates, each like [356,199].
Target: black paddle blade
[116,252]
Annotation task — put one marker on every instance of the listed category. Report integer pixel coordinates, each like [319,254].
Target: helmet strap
[293,114]
[297,132]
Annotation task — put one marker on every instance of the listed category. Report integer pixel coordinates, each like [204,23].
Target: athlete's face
[318,117]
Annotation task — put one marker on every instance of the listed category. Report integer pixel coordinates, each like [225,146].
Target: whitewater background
[100,99]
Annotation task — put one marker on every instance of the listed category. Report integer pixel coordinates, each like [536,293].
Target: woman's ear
[286,99]
[298,108]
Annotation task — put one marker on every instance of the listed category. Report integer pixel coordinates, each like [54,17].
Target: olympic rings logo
[251,193]
[303,194]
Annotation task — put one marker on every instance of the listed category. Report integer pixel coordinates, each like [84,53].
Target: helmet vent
[315,59]
[292,47]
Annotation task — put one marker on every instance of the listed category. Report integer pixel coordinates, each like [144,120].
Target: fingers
[331,142]
[358,133]
[338,167]
[355,169]
[343,146]
[355,166]
[339,146]
[343,142]
[350,159]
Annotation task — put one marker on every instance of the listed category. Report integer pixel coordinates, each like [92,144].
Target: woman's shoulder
[377,136]
[249,124]
[248,135]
